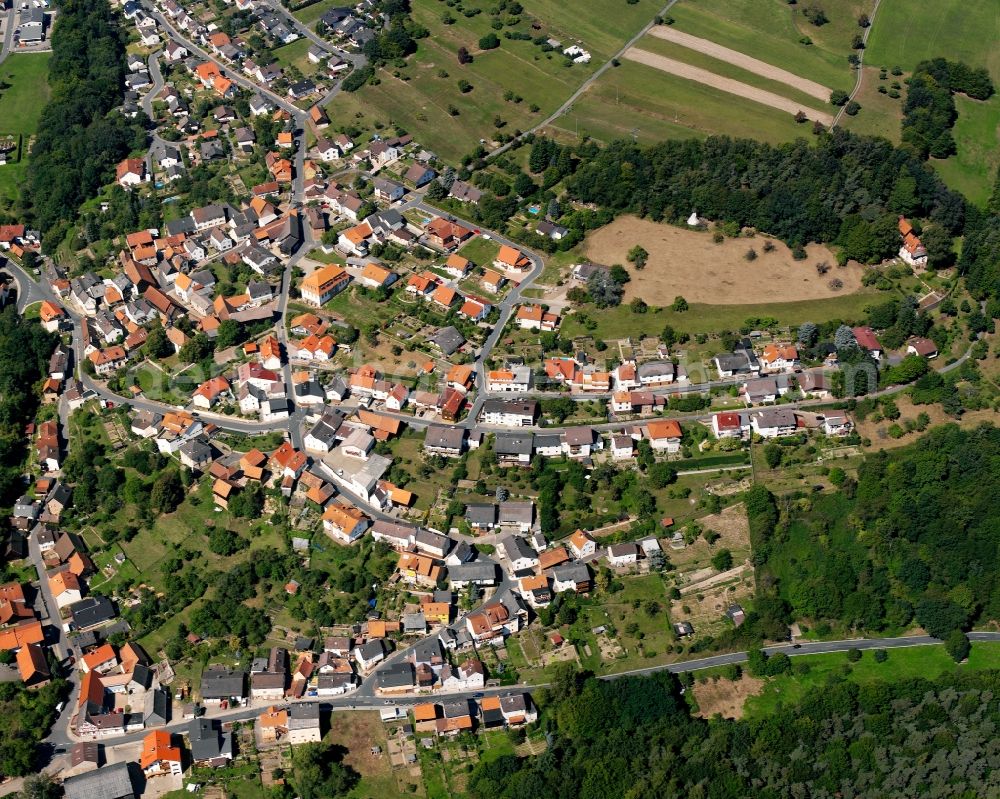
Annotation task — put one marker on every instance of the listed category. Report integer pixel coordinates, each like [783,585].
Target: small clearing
[689,264]
[741,60]
[728,85]
[725,697]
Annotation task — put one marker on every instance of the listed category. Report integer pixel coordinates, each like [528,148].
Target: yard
[359,733]
[294,55]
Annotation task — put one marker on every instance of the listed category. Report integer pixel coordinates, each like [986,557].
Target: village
[315,335]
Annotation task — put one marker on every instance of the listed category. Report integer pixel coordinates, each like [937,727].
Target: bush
[881,656]
[854,655]
[489,42]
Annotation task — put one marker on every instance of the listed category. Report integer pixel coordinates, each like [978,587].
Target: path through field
[703,76]
[738,59]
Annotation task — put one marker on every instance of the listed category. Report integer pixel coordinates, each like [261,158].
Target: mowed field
[736,67]
[907,32]
[21,103]
[688,263]
[417,97]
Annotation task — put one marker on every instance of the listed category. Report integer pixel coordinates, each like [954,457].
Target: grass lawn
[917,661]
[309,14]
[972,169]
[880,115]
[294,55]
[417,97]
[360,311]
[620,322]
[649,104]
[771,31]
[481,251]
[21,104]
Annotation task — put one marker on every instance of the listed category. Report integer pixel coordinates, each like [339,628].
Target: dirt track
[738,59]
[703,76]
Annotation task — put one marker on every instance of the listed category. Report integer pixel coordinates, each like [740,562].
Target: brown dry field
[689,264]
[358,731]
[877,431]
[734,534]
[725,696]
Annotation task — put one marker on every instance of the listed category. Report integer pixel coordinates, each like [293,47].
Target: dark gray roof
[481,515]
[513,443]
[516,512]
[515,548]
[575,571]
[221,683]
[207,740]
[92,610]
[448,339]
[110,782]
[477,571]
[371,649]
[511,406]
[444,437]
[399,675]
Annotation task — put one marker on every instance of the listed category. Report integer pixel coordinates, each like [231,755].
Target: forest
[80,136]
[24,356]
[844,189]
[635,737]
[915,540]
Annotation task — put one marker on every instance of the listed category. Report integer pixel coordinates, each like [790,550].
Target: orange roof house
[207,72]
[511,258]
[445,296]
[460,375]
[29,632]
[552,557]
[663,429]
[32,666]
[49,312]
[158,753]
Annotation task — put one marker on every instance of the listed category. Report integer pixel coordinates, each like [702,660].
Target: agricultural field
[740,68]
[419,96]
[905,33]
[24,90]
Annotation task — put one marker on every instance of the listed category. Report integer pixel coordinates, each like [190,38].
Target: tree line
[80,136]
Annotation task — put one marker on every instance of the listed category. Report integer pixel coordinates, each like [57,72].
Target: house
[419,569]
[763,389]
[32,666]
[493,281]
[513,449]
[773,422]
[867,341]
[368,654]
[465,192]
[551,558]
[375,276]
[517,552]
[912,250]
[923,347]
[304,723]
[159,755]
[572,576]
[107,361]
[131,173]
[582,545]
[550,230]
[51,316]
[779,358]
[66,588]
[577,442]
[448,339]
[511,259]
[622,446]
[209,392]
[222,686]
[388,190]
[419,175]
[534,317]
[509,412]
[730,425]
[445,441]
[112,781]
[457,266]
[446,235]
[837,424]
[664,436]
[344,523]
[741,361]
[626,554]
[516,379]
[210,746]
[476,573]
[535,589]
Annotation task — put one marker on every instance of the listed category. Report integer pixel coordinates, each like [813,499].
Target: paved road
[8,39]
[157,87]
[584,86]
